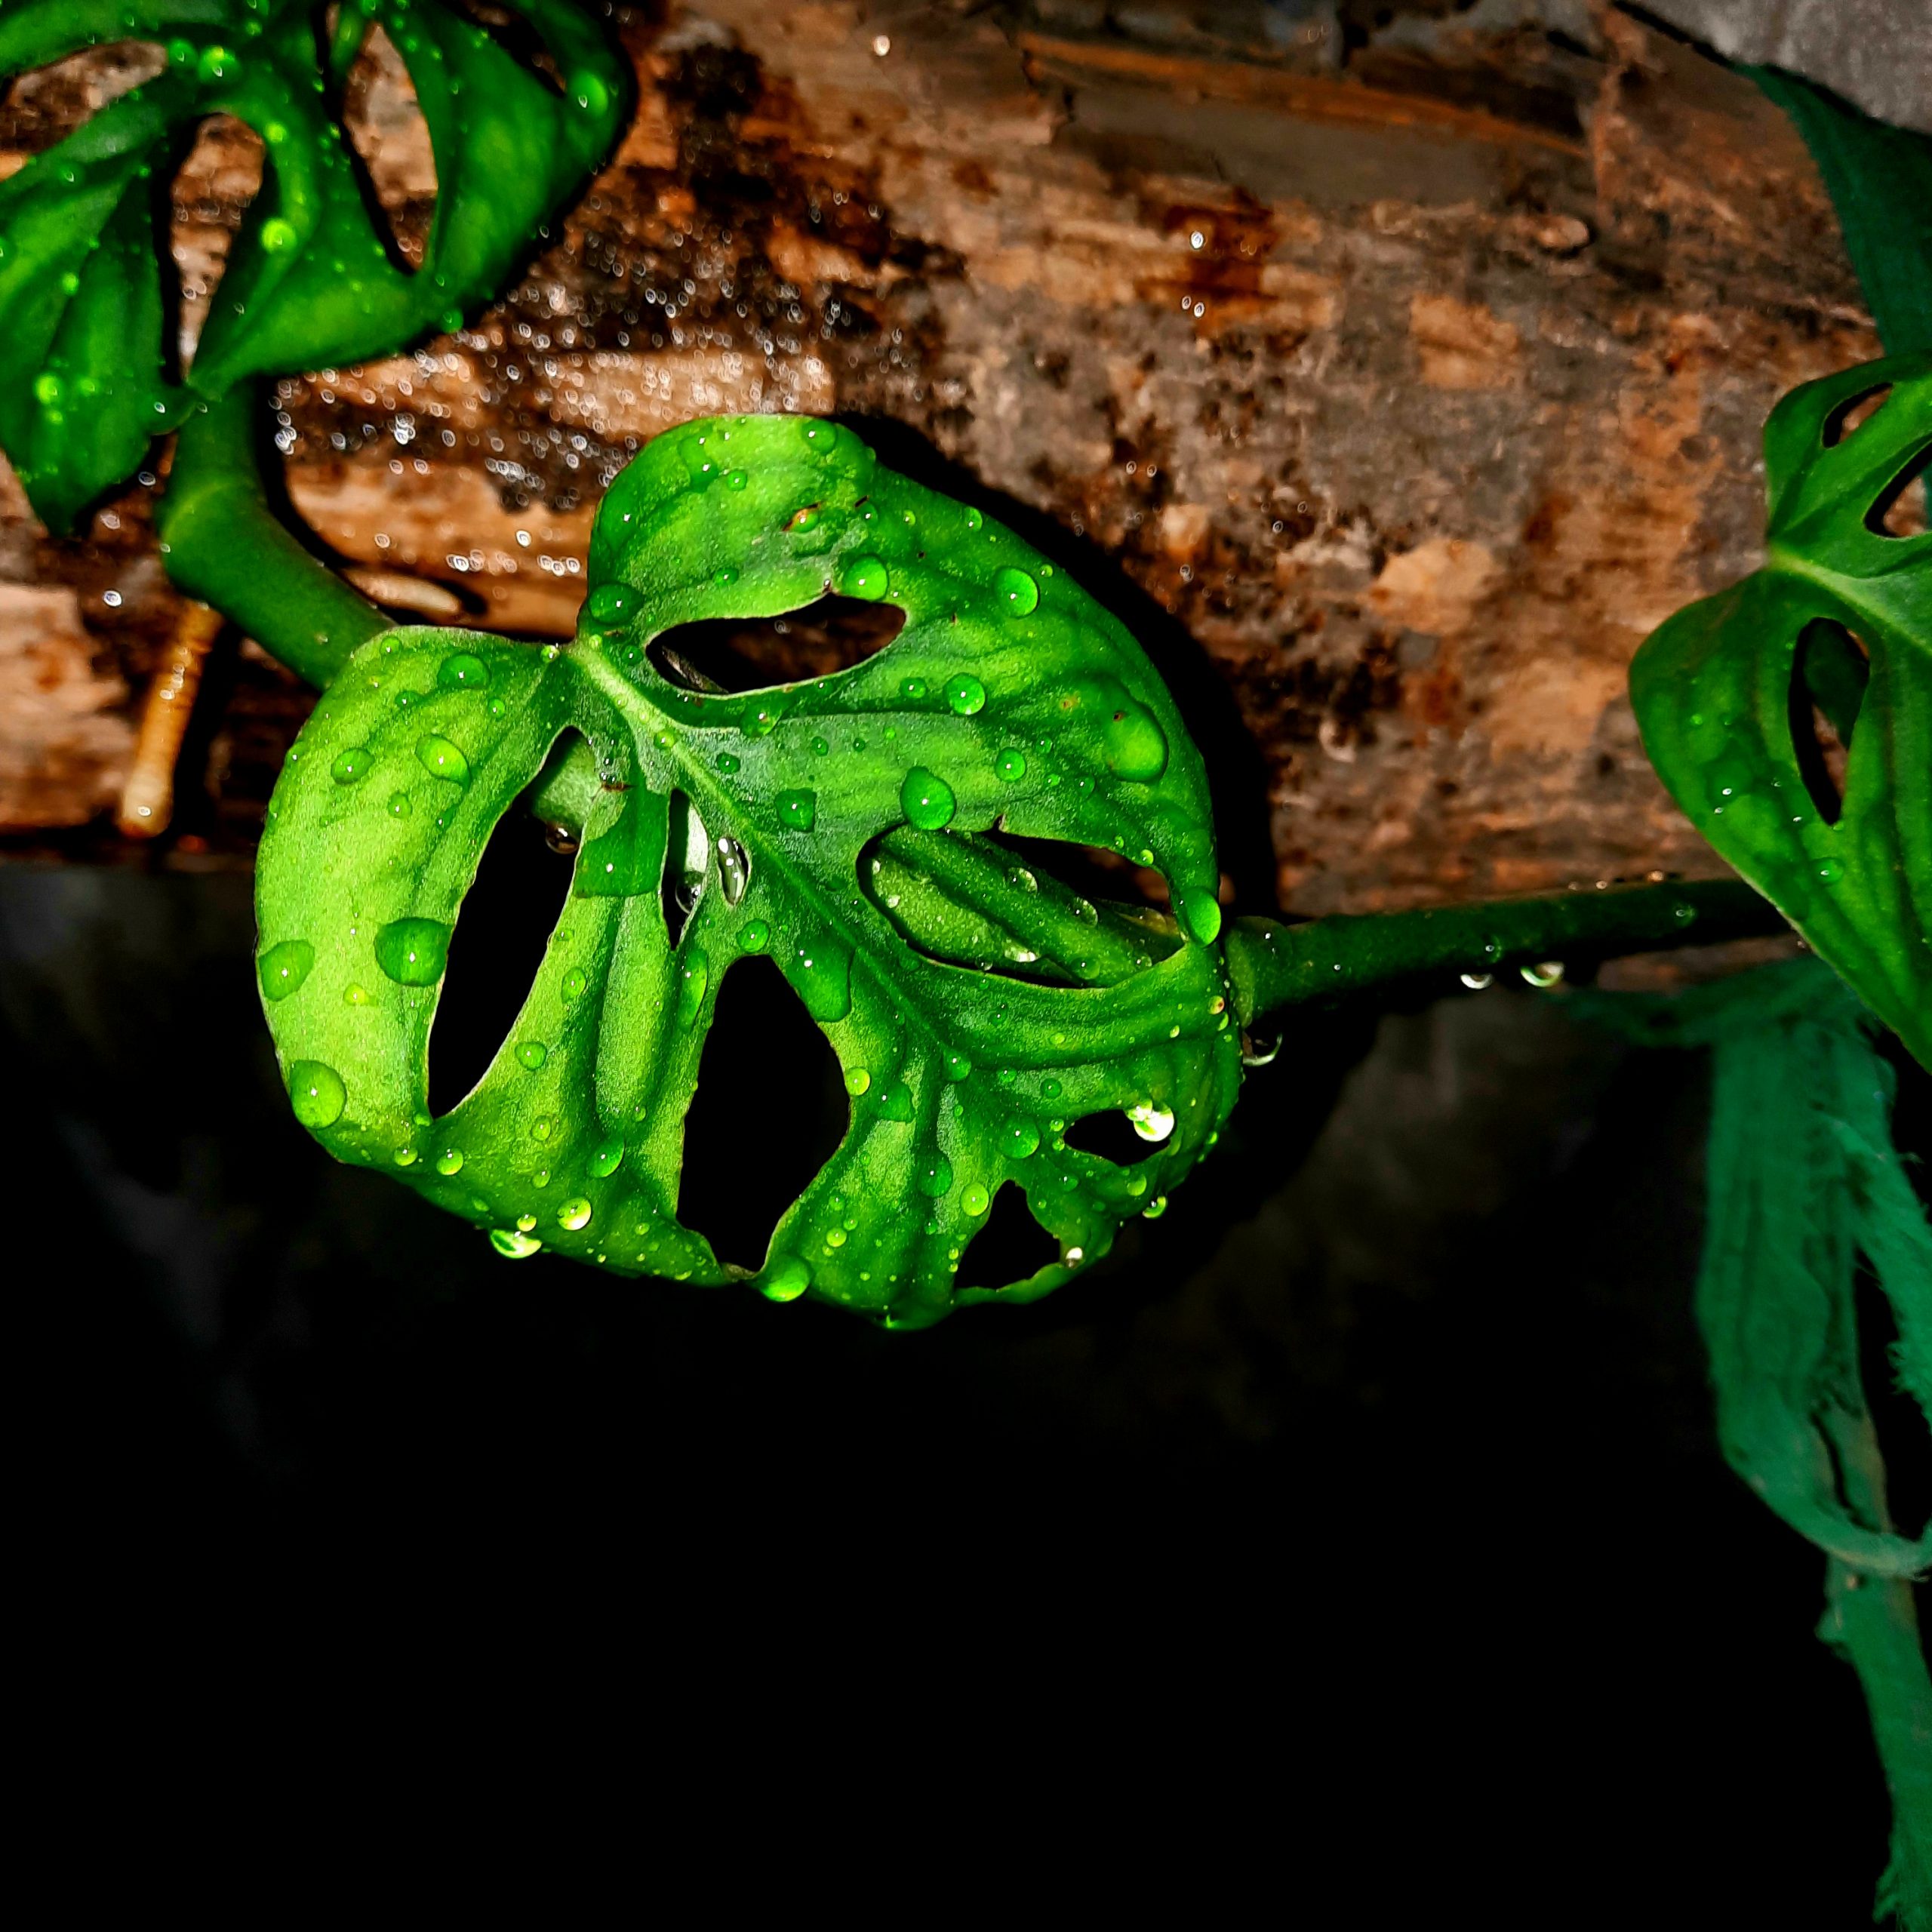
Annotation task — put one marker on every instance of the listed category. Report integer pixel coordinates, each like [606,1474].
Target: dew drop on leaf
[436,754]
[414,952]
[857,1079]
[279,235]
[282,968]
[350,767]
[574,1214]
[611,603]
[934,1175]
[1201,914]
[965,693]
[754,936]
[974,1199]
[863,576]
[513,1244]
[1011,765]
[799,809]
[463,670]
[1133,745]
[450,1161]
[785,1279]
[926,801]
[1017,592]
[1022,1138]
[607,1157]
[316,1093]
[531,1053]
[399,805]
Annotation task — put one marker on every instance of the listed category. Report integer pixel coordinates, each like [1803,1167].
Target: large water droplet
[607,1157]
[934,1175]
[965,693]
[282,968]
[531,1054]
[574,1214]
[862,576]
[1017,591]
[437,755]
[450,1160]
[785,1278]
[414,952]
[574,983]
[279,236]
[754,936]
[463,670]
[1200,912]
[513,1244]
[1021,1139]
[799,809]
[1132,744]
[926,801]
[974,1199]
[612,604]
[1150,1122]
[350,767]
[1011,764]
[316,1093]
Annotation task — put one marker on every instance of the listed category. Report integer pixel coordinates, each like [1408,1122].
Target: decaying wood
[1394,400]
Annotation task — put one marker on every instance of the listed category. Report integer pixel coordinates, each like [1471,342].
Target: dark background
[1374,1486]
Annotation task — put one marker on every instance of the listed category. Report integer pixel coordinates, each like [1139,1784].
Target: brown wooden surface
[1395,398]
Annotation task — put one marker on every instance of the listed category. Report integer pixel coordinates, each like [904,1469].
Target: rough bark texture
[1394,384]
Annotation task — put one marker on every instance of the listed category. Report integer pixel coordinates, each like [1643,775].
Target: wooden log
[1394,397]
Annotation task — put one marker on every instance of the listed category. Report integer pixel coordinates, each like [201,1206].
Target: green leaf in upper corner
[850,828]
[310,279]
[1791,715]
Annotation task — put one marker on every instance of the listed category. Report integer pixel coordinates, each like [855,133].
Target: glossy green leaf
[863,813]
[310,279]
[1836,626]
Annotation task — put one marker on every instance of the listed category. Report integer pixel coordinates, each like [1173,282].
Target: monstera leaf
[1740,697]
[847,827]
[310,280]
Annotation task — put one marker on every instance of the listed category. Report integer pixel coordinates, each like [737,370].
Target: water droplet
[857,1079]
[799,809]
[1150,1122]
[1728,778]
[47,387]
[450,1161]
[958,1066]
[282,968]
[974,1199]
[1021,1139]
[1011,765]
[835,1237]
[734,869]
[607,1157]
[1831,870]
[1200,912]
[1478,982]
[610,604]
[822,972]
[574,983]
[591,94]
[526,1224]
[316,1093]
[513,1244]
[965,693]
[974,519]
[1684,913]
[934,1175]
[1016,590]
[350,767]
[574,1214]
[1132,744]
[804,517]
[693,982]
[279,235]
[218,63]
[399,805]
[734,479]
[928,801]
[463,670]
[725,576]
[863,576]
[355,995]
[531,1053]
[541,1129]
[1155,1209]
[785,1278]
[437,755]
[754,936]
[1548,972]
[912,688]
[728,762]
[414,952]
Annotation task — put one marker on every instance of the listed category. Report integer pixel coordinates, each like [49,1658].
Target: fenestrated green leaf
[1724,699]
[1010,702]
[309,279]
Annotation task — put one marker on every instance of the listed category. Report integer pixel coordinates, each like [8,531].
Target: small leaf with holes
[309,279]
[849,827]
[1791,715]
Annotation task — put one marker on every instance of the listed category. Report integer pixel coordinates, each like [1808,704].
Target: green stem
[1274,966]
[221,542]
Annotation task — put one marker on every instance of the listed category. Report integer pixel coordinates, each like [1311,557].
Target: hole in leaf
[1901,509]
[511,30]
[1009,1246]
[687,859]
[770,1111]
[1829,674]
[222,167]
[1092,871]
[384,122]
[1111,1136]
[495,953]
[753,653]
[1852,414]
